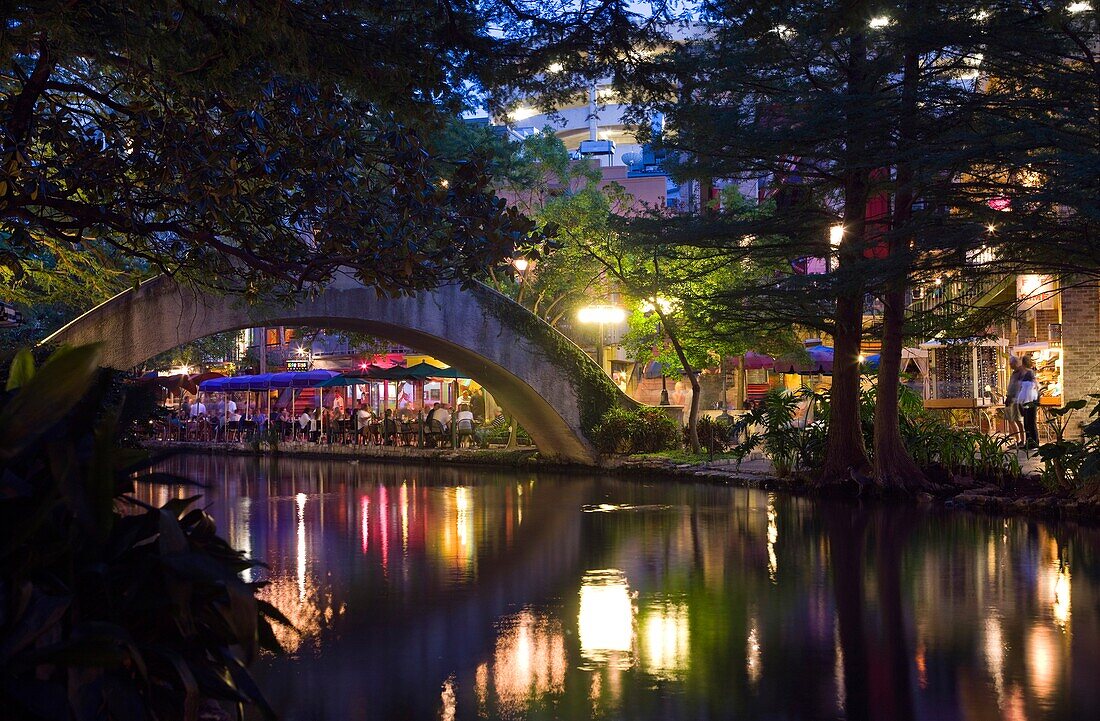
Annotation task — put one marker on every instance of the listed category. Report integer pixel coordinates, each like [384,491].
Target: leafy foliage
[113,608]
[252,148]
[642,430]
[596,394]
[211,349]
[1070,464]
[791,430]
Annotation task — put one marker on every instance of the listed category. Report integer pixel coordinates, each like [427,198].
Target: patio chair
[465,432]
[435,435]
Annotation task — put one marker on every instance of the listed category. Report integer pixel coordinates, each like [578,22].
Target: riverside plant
[1070,464]
[112,608]
[790,428]
[643,430]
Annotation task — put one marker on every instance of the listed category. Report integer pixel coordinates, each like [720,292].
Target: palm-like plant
[109,608]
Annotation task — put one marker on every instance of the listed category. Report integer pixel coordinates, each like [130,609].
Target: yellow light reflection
[838,669]
[481,685]
[606,619]
[240,536]
[300,500]
[529,661]
[664,640]
[309,615]
[752,655]
[1060,606]
[995,655]
[450,702]
[1044,662]
[462,517]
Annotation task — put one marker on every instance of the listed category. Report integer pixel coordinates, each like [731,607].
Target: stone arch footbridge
[549,384]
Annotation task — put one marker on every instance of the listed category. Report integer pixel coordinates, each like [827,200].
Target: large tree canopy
[258,146]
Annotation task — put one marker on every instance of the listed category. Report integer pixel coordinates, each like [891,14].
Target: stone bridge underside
[463,328]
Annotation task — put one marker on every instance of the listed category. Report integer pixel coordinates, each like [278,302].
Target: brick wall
[1081,344]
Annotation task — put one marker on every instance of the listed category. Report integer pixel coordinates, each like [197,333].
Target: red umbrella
[754,361]
[197,380]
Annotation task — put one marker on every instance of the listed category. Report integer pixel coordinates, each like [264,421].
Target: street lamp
[666,306]
[601,315]
[521,265]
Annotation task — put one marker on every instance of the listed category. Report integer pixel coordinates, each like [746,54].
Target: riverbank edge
[966,494]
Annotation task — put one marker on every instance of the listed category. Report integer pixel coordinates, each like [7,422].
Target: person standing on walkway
[1013,418]
[1027,397]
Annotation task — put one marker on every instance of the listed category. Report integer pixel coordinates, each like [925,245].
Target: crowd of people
[224,419]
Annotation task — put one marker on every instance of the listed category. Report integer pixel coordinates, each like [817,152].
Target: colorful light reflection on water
[433,593]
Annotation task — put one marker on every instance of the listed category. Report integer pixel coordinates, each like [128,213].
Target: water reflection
[605,624]
[665,638]
[470,594]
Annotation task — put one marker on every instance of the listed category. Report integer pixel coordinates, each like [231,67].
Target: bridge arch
[549,384]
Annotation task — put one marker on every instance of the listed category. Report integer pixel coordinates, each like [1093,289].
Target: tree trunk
[513,440]
[693,413]
[894,467]
[845,451]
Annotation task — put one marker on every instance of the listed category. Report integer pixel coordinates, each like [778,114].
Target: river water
[466,593]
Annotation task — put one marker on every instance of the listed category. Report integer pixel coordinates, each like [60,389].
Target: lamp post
[650,306]
[601,315]
[521,265]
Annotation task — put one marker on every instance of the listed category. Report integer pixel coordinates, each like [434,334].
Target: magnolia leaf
[46,398]
[22,369]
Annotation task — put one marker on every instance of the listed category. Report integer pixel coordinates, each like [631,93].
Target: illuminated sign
[298,364]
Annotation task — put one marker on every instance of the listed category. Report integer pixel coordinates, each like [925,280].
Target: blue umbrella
[821,361]
[304,379]
[871,362]
[214,384]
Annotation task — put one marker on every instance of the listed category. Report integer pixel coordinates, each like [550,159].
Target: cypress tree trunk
[845,451]
[894,467]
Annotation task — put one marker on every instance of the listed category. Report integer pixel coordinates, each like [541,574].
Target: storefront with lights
[1057,327]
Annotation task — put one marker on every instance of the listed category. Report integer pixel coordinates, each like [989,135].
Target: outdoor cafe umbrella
[200,378]
[755,361]
[342,381]
[213,385]
[820,361]
[172,385]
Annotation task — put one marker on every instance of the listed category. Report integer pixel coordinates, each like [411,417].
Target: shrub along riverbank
[781,443]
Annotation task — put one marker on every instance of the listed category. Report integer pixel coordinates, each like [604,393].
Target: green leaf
[22,369]
[46,398]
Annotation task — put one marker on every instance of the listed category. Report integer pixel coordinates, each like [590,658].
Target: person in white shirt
[230,406]
[464,424]
[198,409]
[442,414]
[305,422]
